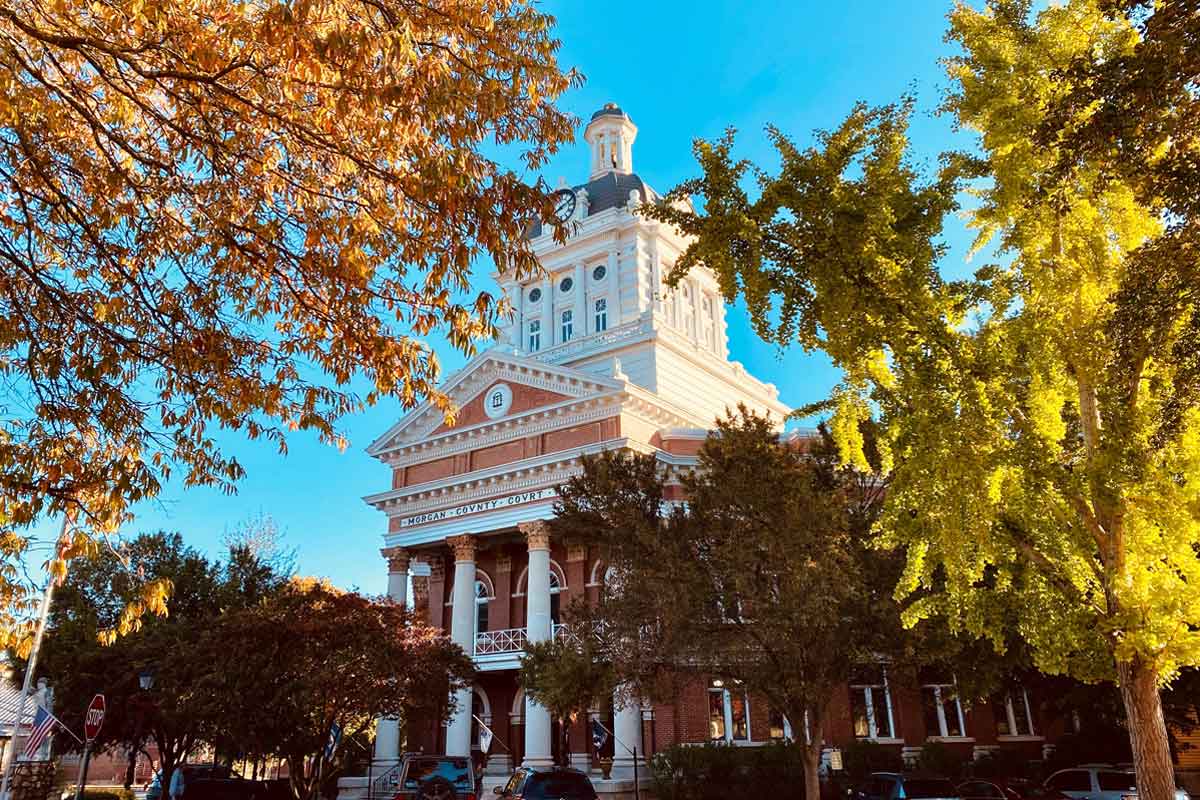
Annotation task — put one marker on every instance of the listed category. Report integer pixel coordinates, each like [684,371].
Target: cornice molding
[527,423]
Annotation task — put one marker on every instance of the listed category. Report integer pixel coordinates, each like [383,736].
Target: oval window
[535,295]
[566,284]
[599,272]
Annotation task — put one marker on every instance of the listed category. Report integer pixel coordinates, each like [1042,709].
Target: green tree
[1041,415]
[763,578]
[311,657]
[568,676]
[220,215]
[96,594]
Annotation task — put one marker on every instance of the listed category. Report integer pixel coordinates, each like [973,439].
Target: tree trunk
[1147,730]
[131,768]
[811,756]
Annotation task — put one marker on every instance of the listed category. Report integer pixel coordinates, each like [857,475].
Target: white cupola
[610,133]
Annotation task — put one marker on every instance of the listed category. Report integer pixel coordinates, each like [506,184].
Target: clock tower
[601,306]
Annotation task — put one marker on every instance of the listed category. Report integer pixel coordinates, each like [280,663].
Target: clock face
[564,204]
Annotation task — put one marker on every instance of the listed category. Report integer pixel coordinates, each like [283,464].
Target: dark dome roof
[610,190]
[610,110]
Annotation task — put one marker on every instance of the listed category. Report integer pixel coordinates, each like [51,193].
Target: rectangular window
[567,325]
[728,713]
[535,336]
[738,715]
[871,703]
[601,315]
[943,714]
[716,714]
[775,725]
[1013,715]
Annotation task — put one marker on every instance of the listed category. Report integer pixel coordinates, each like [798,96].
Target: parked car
[1098,782]
[431,777]
[898,786]
[1007,789]
[555,783]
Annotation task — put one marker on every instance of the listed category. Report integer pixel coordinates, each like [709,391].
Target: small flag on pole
[335,736]
[599,734]
[485,735]
[43,723]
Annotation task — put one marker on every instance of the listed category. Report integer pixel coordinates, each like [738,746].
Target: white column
[538,629]
[549,326]
[582,328]
[697,320]
[517,327]
[462,633]
[387,729]
[614,289]
[627,725]
[398,560]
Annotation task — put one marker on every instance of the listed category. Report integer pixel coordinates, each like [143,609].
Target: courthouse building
[599,355]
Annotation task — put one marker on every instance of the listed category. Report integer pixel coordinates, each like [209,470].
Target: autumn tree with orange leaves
[217,214]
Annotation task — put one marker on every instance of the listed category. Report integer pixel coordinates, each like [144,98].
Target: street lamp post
[145,683]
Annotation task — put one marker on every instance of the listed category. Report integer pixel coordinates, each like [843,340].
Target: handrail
[513,640]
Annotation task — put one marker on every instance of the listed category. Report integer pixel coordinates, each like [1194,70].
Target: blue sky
[681,70]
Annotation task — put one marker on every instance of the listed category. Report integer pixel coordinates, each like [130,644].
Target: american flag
[43,723]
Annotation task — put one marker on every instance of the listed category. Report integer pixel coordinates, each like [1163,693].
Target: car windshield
[455,770]
[558,784]
[929,787]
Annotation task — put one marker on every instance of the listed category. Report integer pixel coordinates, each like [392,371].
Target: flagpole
[633,752]
[30,668]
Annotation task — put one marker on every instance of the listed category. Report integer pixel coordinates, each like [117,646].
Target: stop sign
[94,717]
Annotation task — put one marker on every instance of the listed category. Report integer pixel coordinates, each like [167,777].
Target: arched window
[481,709]
[558,584]
[481,607]
[555,604]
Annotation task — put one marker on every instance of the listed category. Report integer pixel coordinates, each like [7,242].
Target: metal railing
[512,640]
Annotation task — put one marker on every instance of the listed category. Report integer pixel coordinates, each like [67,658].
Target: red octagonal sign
[94,717]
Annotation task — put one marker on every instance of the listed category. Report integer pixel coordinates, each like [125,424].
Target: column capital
[397,557]
[537,533]
[463,546]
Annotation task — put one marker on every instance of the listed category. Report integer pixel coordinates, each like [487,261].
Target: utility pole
[30,669]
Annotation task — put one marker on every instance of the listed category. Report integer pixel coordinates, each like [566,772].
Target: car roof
[548,770]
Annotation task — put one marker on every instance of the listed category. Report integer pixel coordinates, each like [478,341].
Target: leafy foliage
[311,657]
[1041,415]
[96,594]
[217,214]
[713,772]
[764,577]
[567,676]
[248,661]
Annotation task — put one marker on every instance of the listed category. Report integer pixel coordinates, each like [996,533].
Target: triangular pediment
[532,384]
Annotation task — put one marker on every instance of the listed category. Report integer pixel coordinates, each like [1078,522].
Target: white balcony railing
[510,640]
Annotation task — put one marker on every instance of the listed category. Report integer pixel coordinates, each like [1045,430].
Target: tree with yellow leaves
[217,214]
[1042,416]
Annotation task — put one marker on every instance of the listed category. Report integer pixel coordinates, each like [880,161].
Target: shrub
[716,772]
[115,793]
[942,760]
[862,757]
